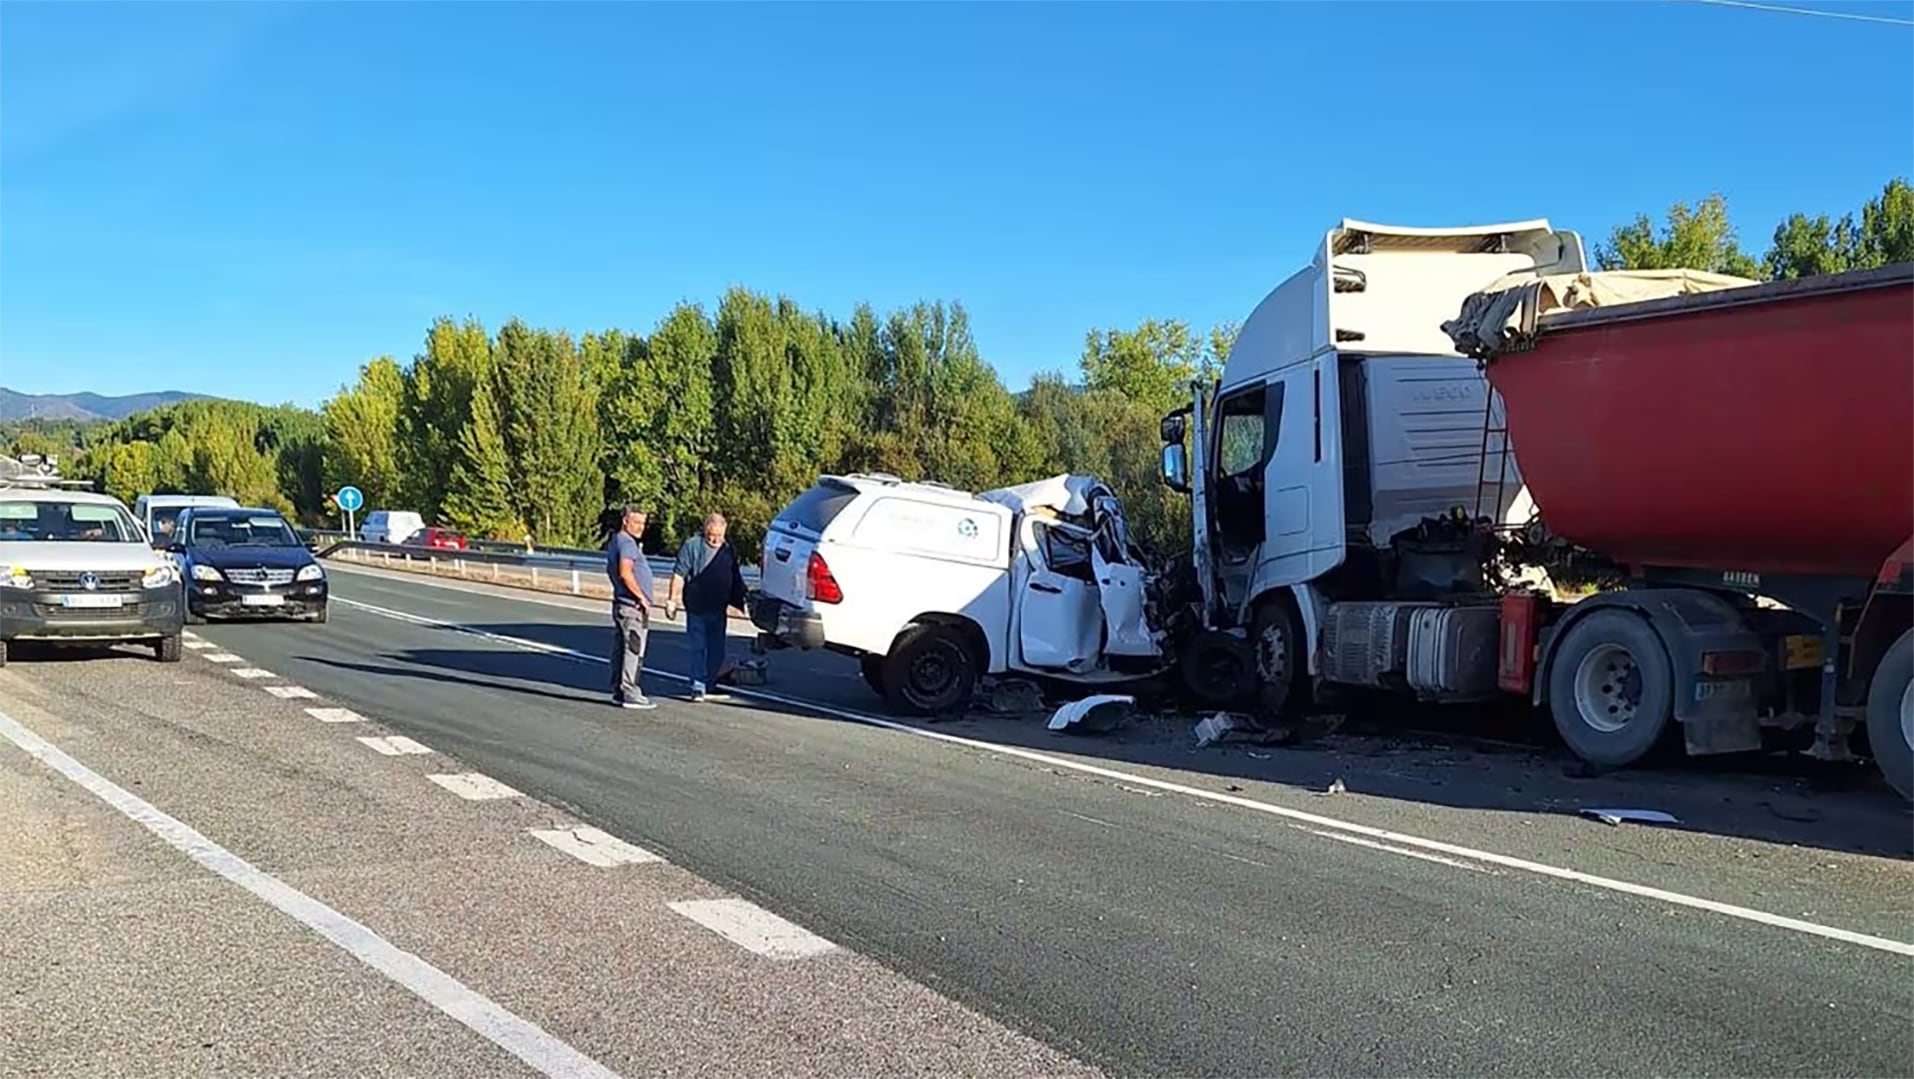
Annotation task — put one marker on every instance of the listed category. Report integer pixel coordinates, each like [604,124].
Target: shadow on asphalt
[1498,760]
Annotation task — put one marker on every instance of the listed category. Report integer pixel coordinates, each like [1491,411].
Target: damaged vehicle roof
[1069,494]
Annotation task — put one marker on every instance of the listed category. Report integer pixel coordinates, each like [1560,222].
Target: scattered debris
[1262,756]
[1614,817]
[1336,787]
[1219,726]
[1102,712]
[1011,697]
[749,672]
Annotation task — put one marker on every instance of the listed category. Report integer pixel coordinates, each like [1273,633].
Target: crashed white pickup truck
[933,588]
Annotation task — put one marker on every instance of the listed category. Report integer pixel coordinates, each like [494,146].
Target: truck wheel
[166,649]
[930,670]
[1890,715]
[1218,669]
[3,653]
[1611,689]
[1282,675]
[872,668]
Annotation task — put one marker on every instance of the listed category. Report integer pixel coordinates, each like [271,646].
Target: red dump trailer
[1741,461]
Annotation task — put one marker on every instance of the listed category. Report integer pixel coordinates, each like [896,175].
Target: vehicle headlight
[205,573]
[15,577]
[314,572]
[160,577]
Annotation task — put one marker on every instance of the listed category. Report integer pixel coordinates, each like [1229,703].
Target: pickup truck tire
[872,668]
[1611,689]
[167,649]
[930,670]
[1890,715]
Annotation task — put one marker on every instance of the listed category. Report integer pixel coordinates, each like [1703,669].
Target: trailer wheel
[1890,715]
[930,670]
[1611,689]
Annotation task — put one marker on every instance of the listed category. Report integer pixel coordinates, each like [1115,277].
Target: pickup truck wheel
[1611,689]
[930,670]
[872,668]
[1890,715]
[166,649]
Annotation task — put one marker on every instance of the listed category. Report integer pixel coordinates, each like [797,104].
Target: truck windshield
[65,522]
[261,530]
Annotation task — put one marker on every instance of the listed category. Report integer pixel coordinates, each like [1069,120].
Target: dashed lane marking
[594,847]
[252,672]
[223,657]
[518,1036]
[1342,827]
[331,715]
[474,787]
[292,693]
[197,644]
[396,745]
[754,929]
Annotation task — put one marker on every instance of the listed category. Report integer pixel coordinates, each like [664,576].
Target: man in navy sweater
[708,582]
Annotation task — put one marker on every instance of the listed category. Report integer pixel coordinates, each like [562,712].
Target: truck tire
[1282,674]
[3,653]
[166,649]
[872,668]
[1890,715]
[1218,669]
[930,670]
[1611,689]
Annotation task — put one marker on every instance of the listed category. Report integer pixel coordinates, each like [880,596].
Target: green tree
[362,426]
[1700,237]
[129,470]
[552,427]
[435,403]
[478,498]
[1149,364]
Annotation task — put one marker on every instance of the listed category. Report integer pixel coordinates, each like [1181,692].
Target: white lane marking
[593,847]
[473,787]
[196,643]
[753,928]
[292,693]
[1731,910]
[252,672]
[517,1036]
[1373,845]
[187,634]
[332,715]
[396,745]
[223,657]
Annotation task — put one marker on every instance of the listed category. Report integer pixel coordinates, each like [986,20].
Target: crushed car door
[1060,622]
[1114,561]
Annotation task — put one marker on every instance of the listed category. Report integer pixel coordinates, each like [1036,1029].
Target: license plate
[262,601]
[1803,651]
[93,601]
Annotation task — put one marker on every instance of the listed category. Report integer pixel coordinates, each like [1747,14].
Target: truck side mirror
[1170,429]
[1176,469]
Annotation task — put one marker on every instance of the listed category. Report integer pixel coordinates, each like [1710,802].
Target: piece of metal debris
[1614,817]
[1218,727]
[1012,696]
[1336,787]
[1102,712]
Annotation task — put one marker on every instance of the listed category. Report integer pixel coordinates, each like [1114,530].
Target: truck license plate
[1803,651]
[92,600]
[262,601]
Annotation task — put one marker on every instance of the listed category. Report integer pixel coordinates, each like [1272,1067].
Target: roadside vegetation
[525,430]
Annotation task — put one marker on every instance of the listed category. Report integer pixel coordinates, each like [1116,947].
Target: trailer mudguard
[1717,714]
[1888,613]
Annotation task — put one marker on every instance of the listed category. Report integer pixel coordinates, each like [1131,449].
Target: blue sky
[252,199]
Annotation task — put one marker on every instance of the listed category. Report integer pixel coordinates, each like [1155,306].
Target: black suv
[246,562]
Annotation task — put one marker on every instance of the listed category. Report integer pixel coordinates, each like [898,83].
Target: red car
[438,539]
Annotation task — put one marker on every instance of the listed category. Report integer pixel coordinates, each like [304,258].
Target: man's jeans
[706,634]
[630,626]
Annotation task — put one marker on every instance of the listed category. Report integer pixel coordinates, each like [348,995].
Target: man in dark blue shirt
[630,609]
[709,582]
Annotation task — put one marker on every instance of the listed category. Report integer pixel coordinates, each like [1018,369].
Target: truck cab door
[1059,620]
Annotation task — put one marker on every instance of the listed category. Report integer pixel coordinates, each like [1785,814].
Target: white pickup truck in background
[933,588]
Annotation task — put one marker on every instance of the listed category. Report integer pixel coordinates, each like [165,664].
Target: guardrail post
[495,571]
[386,557]
[574,582]
[460,563]
[534,576]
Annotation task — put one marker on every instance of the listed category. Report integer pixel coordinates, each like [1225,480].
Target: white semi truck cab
[1334,466]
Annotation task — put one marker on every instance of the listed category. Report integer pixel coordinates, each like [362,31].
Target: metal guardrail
[564,564]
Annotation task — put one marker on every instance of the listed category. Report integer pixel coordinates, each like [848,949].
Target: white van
[932,587]
[391,526]
[158,513]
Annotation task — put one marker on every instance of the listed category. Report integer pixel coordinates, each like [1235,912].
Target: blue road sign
[350,499]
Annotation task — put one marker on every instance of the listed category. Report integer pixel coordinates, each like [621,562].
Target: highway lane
[1146,932]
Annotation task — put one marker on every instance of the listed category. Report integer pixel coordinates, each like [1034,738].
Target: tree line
[530,431]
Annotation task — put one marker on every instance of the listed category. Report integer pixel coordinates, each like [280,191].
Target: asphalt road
[1186,912]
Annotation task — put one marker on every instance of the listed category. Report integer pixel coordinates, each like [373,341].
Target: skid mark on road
[1381,839]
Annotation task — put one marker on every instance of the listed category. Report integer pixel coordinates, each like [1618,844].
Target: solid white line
[473,787]
[252,672]
[595,847]
[332,715]
[396,745]
[517,1036]
[292,693]
[1373,845]
[1730,910]
[223,657]
[753,928]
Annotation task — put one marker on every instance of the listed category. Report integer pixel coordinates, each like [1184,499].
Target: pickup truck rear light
[819,584]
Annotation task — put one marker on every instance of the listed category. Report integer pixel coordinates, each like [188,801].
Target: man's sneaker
[697,691]
[640,703]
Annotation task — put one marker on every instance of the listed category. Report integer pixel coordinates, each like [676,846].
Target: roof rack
[36,471]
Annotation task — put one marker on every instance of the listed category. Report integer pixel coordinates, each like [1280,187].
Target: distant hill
[83,406]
